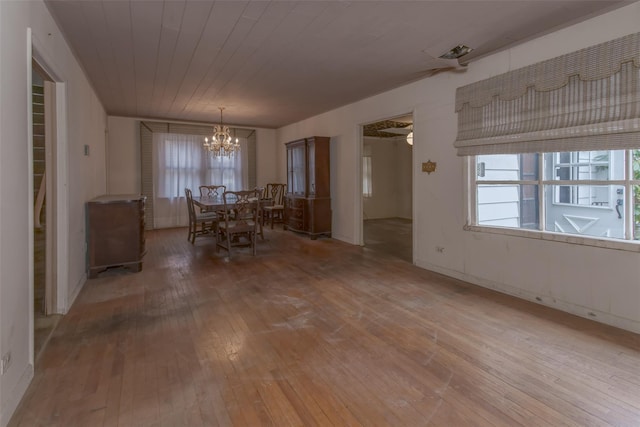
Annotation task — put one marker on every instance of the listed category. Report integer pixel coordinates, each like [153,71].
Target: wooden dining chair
[275,211]
[241,228]
[261,217]
[200,224]
[214,191]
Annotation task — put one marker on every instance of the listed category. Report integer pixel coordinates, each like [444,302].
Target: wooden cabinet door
[318,170]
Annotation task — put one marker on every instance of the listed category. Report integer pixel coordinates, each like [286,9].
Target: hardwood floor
[391,236]
[320,333]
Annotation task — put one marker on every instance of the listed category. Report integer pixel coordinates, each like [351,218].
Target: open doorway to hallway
[44,284]
[387,186]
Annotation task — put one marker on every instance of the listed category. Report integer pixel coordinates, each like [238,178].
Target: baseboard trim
[16,395]
[552,302]
[76,291]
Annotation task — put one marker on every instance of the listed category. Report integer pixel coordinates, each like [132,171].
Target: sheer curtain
[179,162]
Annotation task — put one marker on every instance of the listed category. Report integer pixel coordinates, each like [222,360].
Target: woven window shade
[585,100]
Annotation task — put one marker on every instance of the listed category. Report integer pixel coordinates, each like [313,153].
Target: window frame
[628,243]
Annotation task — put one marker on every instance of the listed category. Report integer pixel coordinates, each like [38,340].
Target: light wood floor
[320,333]
[391,236]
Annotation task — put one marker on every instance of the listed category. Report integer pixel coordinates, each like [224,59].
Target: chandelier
[221,143]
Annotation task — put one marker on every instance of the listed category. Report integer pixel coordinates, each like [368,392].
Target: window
[367,190]
[581,192]
[182,162]
[555,144]
[179,162]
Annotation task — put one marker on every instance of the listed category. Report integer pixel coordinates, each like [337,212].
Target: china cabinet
[308,200]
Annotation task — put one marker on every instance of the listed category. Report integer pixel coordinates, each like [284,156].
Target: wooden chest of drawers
[115,233]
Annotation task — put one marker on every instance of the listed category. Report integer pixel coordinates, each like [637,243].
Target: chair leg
[229,244]
[195,234]
[273,214]
[218,240]
[253,243]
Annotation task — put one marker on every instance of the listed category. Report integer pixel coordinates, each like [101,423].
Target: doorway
[387,186]
[45,317]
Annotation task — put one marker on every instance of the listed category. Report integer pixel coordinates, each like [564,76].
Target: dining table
[216,204]
[209,203]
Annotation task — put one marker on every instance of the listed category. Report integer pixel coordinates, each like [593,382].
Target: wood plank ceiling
[272,63]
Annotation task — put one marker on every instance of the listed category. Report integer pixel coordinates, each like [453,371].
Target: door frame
[57,249]
[359,237]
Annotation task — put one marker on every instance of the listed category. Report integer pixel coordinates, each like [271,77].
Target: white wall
[123,171]
[83,178]
[123,156]
[268,163]
[391,179]
[589,281]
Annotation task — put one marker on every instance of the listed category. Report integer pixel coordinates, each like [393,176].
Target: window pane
[591,210]
[507,167]
[584,195]
[584,165]
[508,206]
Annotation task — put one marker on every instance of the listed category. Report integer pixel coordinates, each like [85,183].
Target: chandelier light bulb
[221,144]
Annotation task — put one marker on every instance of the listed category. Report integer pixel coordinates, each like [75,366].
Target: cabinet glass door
[311,149]
[295,174]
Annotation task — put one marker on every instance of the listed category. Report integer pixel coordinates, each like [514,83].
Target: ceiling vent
[456,52]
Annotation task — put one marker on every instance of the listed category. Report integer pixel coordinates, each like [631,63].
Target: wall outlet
[5,363]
